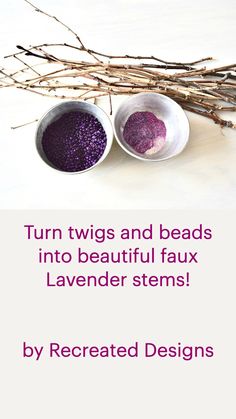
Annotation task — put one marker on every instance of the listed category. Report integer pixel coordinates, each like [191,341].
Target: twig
[210,115]
[27,65]
[57,20]
[23,125]
[110,102]
[205,91]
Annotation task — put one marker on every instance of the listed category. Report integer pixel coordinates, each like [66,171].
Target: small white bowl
[57,111]
[166,109]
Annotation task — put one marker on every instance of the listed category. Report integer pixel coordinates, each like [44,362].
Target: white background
[203,176]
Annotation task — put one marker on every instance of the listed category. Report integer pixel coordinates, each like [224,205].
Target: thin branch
[205,91]
[58,21]
[24,125]
[152,57]
[27,65]
[110,103]
[210,115]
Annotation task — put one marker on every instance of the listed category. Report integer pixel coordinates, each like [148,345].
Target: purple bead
[74,142]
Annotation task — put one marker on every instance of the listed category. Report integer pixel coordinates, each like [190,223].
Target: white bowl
[166,109]
[57,111]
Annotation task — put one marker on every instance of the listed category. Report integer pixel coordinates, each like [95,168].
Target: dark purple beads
[74,142]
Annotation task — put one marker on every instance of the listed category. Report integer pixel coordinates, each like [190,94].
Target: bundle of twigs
[205,91]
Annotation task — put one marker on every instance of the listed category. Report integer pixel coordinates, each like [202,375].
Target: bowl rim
[150,159]
[108,144]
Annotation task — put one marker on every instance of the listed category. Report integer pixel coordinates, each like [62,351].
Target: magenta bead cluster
[144,132]
[74,142]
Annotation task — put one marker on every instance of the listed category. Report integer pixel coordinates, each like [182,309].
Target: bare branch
[205,91]
[57,20]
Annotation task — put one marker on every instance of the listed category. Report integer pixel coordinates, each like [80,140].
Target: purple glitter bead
[74,142]
[145,133]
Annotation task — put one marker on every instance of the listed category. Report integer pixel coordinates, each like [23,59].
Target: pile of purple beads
[74,142]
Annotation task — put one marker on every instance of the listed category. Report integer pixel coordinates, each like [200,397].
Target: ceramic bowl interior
[57,111]
[166,109]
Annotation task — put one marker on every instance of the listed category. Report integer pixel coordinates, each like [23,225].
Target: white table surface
[203,176]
